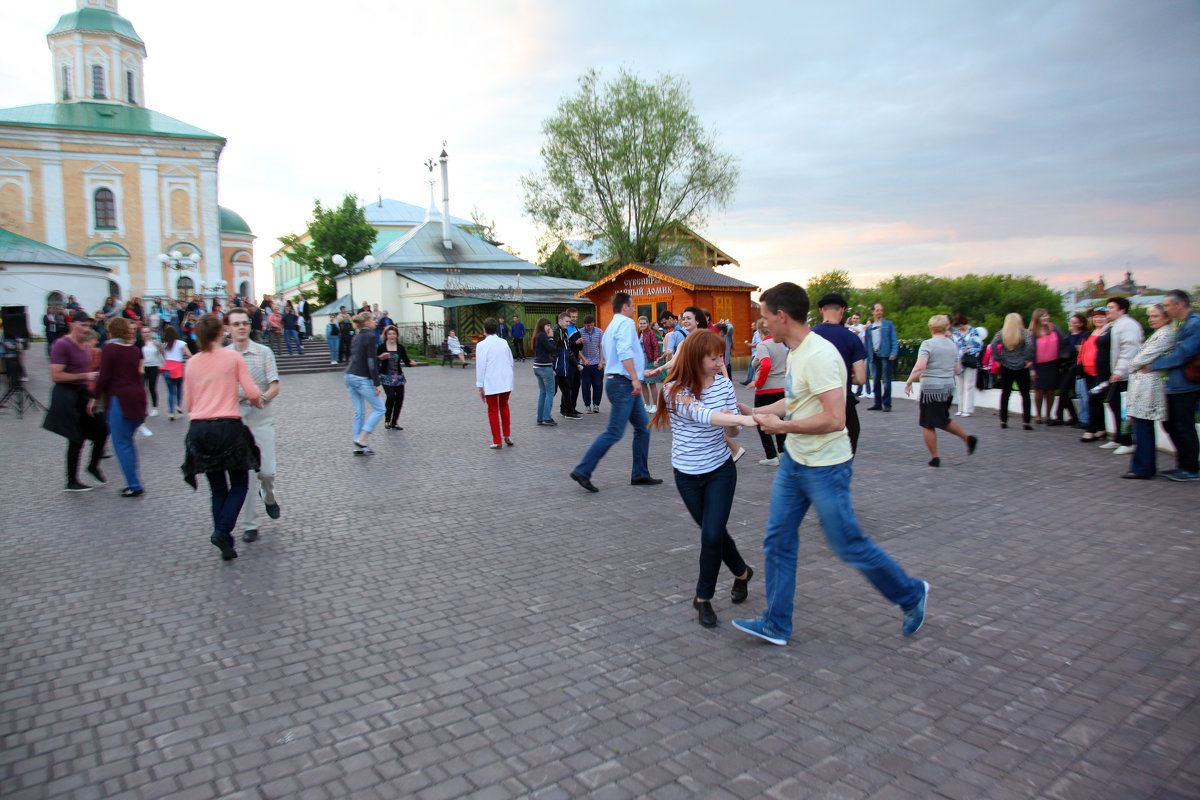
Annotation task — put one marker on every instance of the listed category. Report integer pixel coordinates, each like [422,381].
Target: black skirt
[935,413]
[67,414]
[218,445]
[1045,376]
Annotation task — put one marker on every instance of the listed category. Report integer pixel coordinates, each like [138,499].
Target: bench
[450,358]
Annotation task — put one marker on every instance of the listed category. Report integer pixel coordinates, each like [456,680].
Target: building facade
[98,174]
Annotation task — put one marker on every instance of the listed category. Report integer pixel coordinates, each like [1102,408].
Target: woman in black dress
[393,358]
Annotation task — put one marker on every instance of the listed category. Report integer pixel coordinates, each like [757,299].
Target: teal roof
[96,19]
[101,117]
[232,222]
[18,249]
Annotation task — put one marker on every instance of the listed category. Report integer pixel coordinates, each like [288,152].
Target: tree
[820,285]
[342,230]
[624,161]
[485,228]
[561,264]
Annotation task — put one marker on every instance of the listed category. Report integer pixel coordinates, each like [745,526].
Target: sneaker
[573,416]
[76,486]
[250,536]
[1123,450]
[914,617]
[654,408]
[758,627]
[550,423]
[144,431]
[333,362]
[769,462]
[741,451]
[1109,446]
[1180,476]
[958,413]
[1168,473]
[154,412]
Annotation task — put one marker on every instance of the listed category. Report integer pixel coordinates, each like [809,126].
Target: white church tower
[97,56]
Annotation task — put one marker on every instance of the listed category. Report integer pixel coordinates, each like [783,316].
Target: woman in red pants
[494,377]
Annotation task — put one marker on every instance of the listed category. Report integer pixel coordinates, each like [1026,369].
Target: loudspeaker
[16,322]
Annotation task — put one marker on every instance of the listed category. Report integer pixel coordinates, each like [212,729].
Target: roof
[687,277]
[17,249]
[455,302]
[594,252]
[85,115]
[442,281]
[232,222]
[333,307]
[397,212]
[96,19]
[422,247]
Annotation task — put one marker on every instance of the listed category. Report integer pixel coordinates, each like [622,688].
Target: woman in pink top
[1047,338]
[218,442]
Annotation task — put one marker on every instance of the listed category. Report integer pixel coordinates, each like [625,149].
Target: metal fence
[422,337]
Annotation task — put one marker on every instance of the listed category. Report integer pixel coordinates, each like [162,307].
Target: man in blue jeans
[815,470]
[882,349]
[625,365]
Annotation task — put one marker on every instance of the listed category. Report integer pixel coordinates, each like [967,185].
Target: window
[114,289]
[98,82]
[66,83]
[54,299]
[184,289]
[244,289]
[130,94]
[106,209]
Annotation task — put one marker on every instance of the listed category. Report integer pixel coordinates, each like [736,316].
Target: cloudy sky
[1060,140]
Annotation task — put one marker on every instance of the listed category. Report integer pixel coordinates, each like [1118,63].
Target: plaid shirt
[261,363]
[591,343]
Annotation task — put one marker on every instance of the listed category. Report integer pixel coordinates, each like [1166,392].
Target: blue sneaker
[914,617]
[758,627]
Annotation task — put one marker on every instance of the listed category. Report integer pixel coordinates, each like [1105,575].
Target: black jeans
[1021,377]
[1066,386]
[227,498]
[519,348]
[1115,391]
[151,374]
[566,402]
[1096,419]
[852,426]
[393,403]
[772,446]
[709,498]
[96,431]
[1181,427]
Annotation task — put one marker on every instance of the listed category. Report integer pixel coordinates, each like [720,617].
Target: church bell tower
[97,56]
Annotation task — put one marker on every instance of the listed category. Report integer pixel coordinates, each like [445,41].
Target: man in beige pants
[261,421]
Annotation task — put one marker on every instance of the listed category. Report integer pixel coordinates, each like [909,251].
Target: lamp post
[180,262]
[341,263]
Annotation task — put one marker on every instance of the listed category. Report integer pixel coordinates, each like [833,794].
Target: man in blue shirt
[850,347]
[518,338]
[1182,395]
[882,349]
[626,364]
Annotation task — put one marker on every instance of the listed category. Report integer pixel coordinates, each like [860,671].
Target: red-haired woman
[699,402]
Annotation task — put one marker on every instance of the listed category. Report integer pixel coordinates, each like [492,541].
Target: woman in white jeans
[970,349]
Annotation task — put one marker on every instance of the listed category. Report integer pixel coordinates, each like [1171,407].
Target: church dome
[98,20]
[232,222]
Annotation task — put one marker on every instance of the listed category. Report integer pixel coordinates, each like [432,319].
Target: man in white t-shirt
[815,470]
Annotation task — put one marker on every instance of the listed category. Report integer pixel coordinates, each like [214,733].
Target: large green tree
[340,230]
[625,160]
[837,280]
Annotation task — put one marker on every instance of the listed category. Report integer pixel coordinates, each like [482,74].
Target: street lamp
[341,263]
[180,262]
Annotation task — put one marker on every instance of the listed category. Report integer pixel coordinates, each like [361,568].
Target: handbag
[970,360]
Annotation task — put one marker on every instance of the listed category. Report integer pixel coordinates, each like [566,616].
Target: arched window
[54,299]
[130,92]
[244,289]
[184,289]
[106,208]
[66,83]
[98,82]
[114,289]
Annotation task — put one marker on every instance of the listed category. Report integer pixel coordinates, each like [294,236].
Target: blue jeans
[362,394]
[881,375]
[333,347]
[750,370]
[1082,393]
[1144,460]
[593,389]
[795,488]
[227,498]
[625,409]
[174,390]
[122,431]
[290,336]
[545,403]
[708,498]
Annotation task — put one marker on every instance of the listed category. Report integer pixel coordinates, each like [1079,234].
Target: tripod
[20,395]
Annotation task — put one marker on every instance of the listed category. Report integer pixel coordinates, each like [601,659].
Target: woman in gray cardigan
[1015,354]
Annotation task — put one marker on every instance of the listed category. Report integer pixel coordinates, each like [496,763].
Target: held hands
[744,420]
[769,423]
[259,403]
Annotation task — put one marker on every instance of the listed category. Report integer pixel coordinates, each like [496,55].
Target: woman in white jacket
[1146,400]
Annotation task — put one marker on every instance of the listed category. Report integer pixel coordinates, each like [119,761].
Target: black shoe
[573,415]
[76,486]
[935,462]
[550,423]
[94,471]
[1027,426]
[887,408]
[224,542]
[972,443]
[397,428]
[874,408]
[127,492]
[1054,423]
[1003,424]
[707,618]
[250,536]
[272,510]
[741,587]
[645,481]
[582,481]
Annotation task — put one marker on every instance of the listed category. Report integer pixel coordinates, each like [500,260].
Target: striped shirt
[591,343]
[260,361]
[697,446]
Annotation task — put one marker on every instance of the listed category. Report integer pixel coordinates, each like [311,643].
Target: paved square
[442,620]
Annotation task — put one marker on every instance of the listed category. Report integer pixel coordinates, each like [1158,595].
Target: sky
[1054,139]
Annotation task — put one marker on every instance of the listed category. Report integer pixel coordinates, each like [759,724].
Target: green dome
[96,19]
[231,222]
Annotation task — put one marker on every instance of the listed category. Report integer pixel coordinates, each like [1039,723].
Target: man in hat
[833,312]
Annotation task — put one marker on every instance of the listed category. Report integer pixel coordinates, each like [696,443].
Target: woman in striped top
[700,403]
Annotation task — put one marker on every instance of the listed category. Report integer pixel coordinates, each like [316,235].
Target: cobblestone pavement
[442,620]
